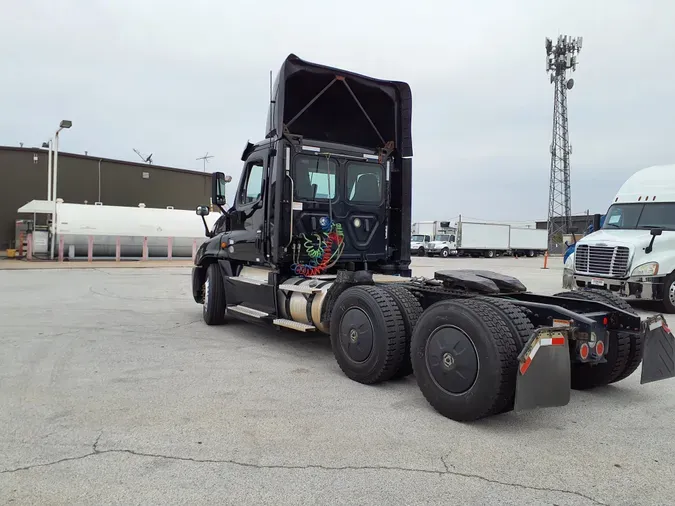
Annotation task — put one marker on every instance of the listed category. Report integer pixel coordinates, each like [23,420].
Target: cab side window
[251,190]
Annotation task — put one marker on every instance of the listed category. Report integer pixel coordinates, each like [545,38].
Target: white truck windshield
[417,238]
[636,216]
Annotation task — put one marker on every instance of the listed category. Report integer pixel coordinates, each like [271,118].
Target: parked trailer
[528,241]
[477,342]
[75,223]
[482,239]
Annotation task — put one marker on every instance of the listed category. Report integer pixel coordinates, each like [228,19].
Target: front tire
[213,309]
[668,303]
[445,252]
[465,359]
[367,334]
[420,252]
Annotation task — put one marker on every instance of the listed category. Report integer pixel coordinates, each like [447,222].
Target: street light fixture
[64,124]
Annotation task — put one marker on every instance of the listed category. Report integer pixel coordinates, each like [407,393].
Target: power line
[560,58]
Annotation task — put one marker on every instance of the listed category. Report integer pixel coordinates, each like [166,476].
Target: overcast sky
[179,79]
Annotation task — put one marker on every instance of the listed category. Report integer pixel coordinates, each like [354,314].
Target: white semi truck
[633,254]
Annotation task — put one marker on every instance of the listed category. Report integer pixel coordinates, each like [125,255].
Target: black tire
[376,354]
[624,351]
[520,325]
[489,359]
[635,341]
[530,253]
[411,310]
[420,251]
[489,254]
[198,284]
[667,304]
[213,309]
[445,252]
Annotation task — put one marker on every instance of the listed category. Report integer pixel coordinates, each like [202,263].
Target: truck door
[248,217]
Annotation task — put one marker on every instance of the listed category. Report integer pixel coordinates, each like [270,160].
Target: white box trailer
[426,228]
[528,241]
[482,239]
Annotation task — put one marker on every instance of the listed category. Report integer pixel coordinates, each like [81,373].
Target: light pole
[49,169]
[64,124]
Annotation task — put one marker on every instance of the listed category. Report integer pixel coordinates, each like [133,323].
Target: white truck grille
[601,260]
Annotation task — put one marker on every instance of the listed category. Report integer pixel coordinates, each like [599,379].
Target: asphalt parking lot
[113,391]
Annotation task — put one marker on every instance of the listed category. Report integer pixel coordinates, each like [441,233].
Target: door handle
[258,239]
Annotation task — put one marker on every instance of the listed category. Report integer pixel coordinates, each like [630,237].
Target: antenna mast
[560,58]
[146,159]
[205,158]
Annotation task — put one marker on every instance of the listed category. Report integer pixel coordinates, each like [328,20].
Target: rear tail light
[584,351]
[599,348]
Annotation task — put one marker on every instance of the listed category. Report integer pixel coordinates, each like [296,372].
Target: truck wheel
[420,251]
[489,254]
[622,348]
[445,252]
[465,359]
[530,253]
[213,310]
[367,334]
[636,340]
[668,302]
[198,284]
[411,310]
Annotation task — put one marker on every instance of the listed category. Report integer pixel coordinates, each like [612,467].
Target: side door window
[251,189]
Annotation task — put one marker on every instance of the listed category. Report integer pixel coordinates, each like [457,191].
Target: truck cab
[633,253]
[327,189]
[443,244]
[419,244]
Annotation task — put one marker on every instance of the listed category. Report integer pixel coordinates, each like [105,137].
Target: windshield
[417,238]
[641,216]
[442,237]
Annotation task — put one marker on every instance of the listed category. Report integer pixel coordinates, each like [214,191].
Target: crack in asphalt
[446,471]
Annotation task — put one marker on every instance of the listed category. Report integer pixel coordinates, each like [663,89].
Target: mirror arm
[649,248]
[206,227]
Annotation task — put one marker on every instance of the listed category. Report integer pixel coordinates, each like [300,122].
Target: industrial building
[90,179]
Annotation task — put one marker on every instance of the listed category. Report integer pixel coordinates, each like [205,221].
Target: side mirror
[218,182]
[656,231]
[202,211]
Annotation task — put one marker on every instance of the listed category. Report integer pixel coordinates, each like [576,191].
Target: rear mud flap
[658,360]
[544,371]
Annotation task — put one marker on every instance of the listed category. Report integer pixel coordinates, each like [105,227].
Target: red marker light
[605,321]
[583,351]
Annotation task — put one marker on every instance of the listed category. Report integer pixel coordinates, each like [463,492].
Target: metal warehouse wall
[23,179]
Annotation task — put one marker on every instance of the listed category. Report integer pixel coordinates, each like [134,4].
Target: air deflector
[329,104]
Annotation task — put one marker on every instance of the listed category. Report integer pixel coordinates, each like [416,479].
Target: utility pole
[560,58]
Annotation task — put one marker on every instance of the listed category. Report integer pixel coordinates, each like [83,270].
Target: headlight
[648,269]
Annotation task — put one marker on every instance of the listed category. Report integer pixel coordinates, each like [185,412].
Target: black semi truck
[318,240]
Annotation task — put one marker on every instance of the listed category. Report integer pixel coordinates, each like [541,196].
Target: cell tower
[560,58]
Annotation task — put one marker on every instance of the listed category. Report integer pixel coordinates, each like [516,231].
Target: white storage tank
[76,222]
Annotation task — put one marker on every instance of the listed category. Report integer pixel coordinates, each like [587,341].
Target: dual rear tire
[464,353]
[624,350]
